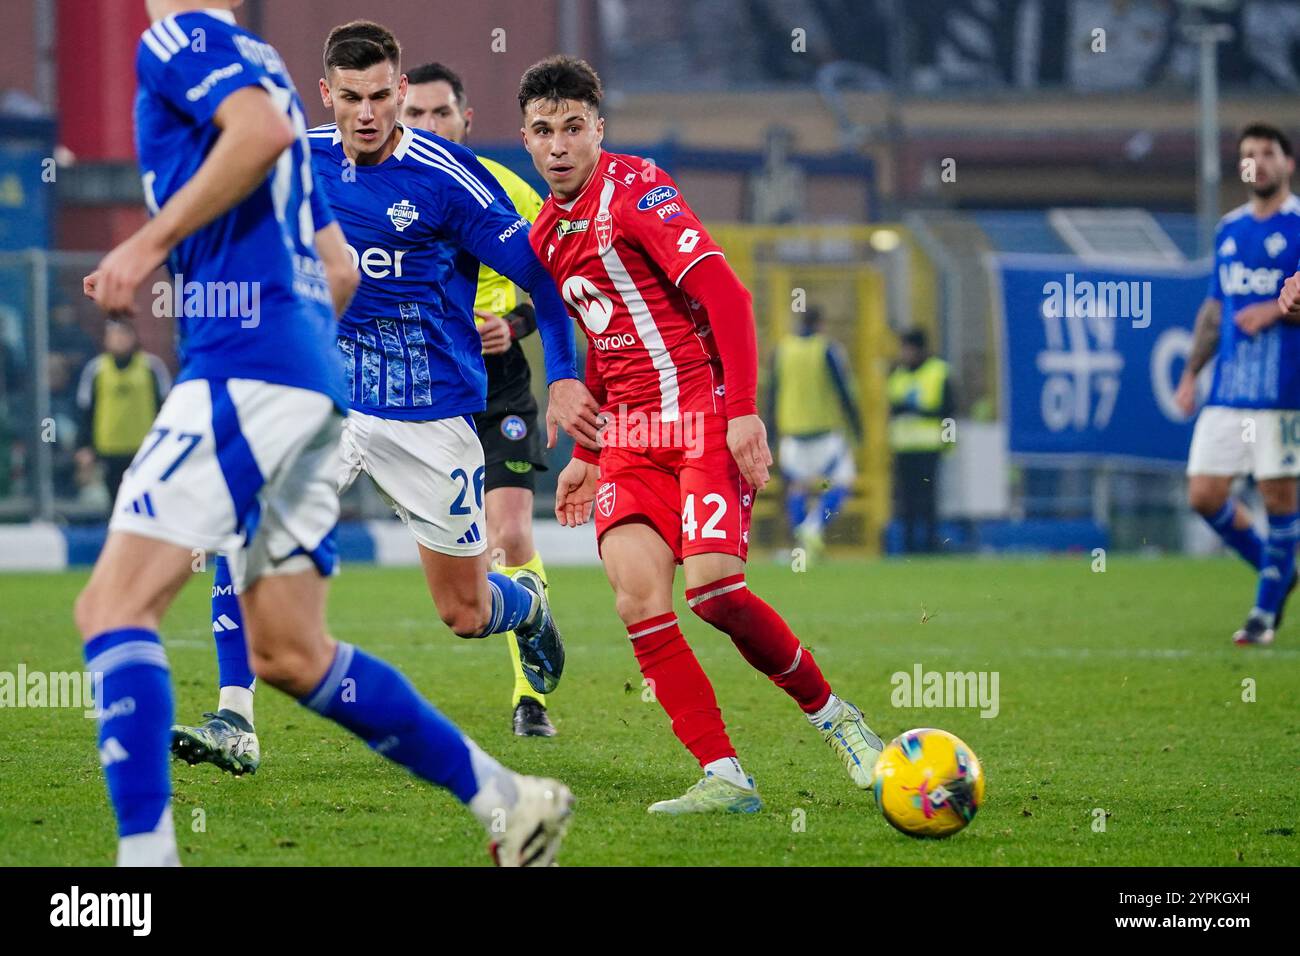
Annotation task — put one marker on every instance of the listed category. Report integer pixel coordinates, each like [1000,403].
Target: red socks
[762,637]
[681,687]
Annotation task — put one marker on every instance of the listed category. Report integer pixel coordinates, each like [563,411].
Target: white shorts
[430,472]
[240,466]
[1245,441]
[817,457]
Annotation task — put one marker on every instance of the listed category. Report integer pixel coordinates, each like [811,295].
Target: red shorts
[693,497]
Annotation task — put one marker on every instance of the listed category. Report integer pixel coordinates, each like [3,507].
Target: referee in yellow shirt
[512,442]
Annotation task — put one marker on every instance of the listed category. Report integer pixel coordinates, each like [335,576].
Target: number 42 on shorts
[710,529]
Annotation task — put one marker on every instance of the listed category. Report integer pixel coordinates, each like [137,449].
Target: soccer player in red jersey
[673,362]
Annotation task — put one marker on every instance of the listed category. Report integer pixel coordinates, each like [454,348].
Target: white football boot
[536,825]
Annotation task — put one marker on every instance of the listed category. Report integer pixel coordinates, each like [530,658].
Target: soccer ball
[928,783]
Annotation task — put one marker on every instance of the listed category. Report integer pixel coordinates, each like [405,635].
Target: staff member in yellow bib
[512,443]
[920,398]
[119,394]
[812,402]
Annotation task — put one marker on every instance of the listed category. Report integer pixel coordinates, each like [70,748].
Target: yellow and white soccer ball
[928,783]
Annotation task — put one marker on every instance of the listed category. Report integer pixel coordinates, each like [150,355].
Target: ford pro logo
[656,196]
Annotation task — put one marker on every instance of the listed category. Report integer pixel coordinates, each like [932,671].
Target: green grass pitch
[1118,690]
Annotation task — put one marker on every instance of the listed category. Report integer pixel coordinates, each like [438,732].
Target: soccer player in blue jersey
[419,214]
[1251,422]
[243,452]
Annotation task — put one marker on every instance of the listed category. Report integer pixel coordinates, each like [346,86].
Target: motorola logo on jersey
[378,263]
[606,342]
[1237,279]
[594,308]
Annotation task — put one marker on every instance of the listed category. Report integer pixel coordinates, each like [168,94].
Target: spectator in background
[119,396]
[920,398]
[811,402]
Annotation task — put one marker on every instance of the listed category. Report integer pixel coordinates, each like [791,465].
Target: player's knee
[1205,501]
[511,533]
[633,607]
[85,612]
[292,669]
[466,618]
[95,612]
[1278,498]
[721,610]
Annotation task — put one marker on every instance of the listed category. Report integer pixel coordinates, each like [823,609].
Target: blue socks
[511,602]
[233,669]
[1245,541]
[134,725]
[796,509]
[1279,563]
[832,500]
[373,700]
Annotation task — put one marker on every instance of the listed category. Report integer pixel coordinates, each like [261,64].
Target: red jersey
[618,252]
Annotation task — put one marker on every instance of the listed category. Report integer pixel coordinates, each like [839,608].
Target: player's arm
[841,381]
[340,273]
[711,282]
[498,237]
[575,488]
[253,135]
[596,385]
[773,385]
[499,332]
[1288,299]
[1205,342]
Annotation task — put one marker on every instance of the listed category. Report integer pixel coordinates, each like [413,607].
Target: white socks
[729,769]
[155,848]
[498,790]
[238,699]
[829,712]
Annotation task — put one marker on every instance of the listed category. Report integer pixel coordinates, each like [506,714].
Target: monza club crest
[605,499]
[604,231]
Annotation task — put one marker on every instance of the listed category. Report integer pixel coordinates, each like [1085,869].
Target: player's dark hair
[434,72]
[359,45]
[1266,131]
[560,78]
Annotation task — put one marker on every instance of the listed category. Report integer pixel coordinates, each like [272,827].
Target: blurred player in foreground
[1251,423]
[243,452]
[512,446]
[811,402]
[672,360]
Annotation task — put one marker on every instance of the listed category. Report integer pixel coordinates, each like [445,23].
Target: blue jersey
[417,226]
[1252,259]
[253,296]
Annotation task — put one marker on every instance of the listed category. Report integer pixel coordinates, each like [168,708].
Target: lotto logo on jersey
[1237,279]
[402,214]
[605,498]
